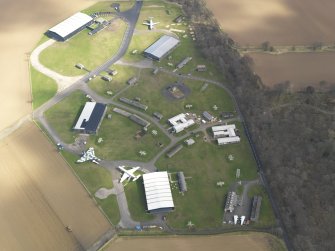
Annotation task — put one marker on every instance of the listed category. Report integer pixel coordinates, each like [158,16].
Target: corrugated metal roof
[162,46]
[71,24]
[157,191]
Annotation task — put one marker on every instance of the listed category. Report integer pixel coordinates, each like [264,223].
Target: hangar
[69,27]
[161,47]
[90,118]
[158,192]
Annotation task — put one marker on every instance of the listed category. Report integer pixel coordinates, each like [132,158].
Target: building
[255,208]
[158,192]
[90,118]
[180,123]
[157,115]
[132,81]
[134,103]
[228,140]
[69,27]
[183,62]
[178,19]
[182,182]
[201,67]
[231,202]
[189,142]
[225,134]
[138,120]
[161,47]
[209,117]
[174,150]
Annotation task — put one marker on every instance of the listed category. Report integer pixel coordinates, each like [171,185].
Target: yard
[91,51]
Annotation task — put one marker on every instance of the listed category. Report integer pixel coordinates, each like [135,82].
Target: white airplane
[128,174]
[150,23]
[89,155]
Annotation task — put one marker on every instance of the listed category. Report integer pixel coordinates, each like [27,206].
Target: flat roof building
[70,26]
[180,123]
[158,192]
[90,118]
[161,47]
[228,140]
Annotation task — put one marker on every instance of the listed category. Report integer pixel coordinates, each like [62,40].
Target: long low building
[225,134]
[228,140]
[158,192]
[161,47]
[69,27]
[90,118]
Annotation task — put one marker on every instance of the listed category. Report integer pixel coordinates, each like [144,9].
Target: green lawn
[162,12]
[91,51]
[119,142]
[206,163]
[150,91]
[136,201]
[64,115]
[118,83]
[43,87]
[266,216]
[95,177]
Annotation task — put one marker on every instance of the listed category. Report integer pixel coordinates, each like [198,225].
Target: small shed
[157,115]
[201,67]
[132,81]
[189,142]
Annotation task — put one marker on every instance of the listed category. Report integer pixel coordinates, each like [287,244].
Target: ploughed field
[300,69]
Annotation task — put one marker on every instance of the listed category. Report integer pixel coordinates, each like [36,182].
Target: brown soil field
[281,22]
[23,23]
[40,196]
[226,242]
[301,69]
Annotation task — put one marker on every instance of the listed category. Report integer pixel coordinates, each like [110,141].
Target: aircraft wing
[124,177]
[155,23]
[133,170]
[146,23]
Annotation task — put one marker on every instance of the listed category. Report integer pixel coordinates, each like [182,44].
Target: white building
[70,26]
[158,192]
[225,134]
[180,123]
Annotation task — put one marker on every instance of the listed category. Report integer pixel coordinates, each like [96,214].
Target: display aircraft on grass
[150,23]
[128,174]
[89,155]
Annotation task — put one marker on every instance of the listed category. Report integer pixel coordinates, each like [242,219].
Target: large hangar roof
[162,46]
[90,116]
[158,191]
[71,24]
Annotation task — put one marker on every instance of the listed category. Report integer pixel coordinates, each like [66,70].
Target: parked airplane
[89,155]
[128,174]
[150,23]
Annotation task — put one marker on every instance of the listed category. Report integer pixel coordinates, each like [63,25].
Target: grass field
[118,83]
[205,164]
[162,12]
[150,91]
[119,142]
[91,51]
[136,201]
[95,177]
[64,114]
[43,88]
[266,216]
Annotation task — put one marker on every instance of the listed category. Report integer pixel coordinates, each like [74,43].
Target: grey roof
[162,46]
[182,182]
[90,117]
